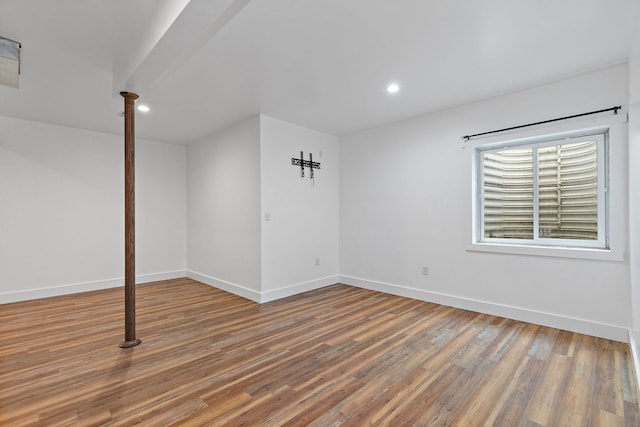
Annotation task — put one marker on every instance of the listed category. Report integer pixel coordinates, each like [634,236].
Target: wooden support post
[130,339]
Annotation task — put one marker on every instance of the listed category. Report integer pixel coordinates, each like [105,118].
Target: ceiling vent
[9,62]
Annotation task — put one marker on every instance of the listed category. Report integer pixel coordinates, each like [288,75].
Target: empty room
[319,213]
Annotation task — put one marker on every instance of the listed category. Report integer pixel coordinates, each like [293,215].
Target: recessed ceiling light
[393,88]
[143,108]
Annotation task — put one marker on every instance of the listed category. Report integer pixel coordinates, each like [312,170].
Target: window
[547,191]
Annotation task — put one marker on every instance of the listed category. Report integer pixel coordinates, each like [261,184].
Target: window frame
[617,191]
[602,143]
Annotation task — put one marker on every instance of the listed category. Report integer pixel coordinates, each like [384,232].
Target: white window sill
[549,251]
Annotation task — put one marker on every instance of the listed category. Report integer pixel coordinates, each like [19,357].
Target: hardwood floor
[334,356]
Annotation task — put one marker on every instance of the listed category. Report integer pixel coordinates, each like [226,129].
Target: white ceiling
[202,65]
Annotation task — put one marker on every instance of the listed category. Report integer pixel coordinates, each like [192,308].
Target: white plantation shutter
[543,191]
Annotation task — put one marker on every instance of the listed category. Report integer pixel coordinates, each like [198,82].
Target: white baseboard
[239,290]
[157,277]
[298,288]
[74,288]
[635,359]
[582,326]
[262,297]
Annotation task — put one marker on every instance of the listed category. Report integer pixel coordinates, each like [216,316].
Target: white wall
[161,207]
[224,209]
[634,193]
[239,175]
[303,224]
[405,202]
[61,210]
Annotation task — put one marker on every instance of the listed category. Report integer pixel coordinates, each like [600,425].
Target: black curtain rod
[614,109]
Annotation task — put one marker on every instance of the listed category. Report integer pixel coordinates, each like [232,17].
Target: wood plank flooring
[335,356]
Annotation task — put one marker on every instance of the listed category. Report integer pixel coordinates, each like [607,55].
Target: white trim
[583,326]
[233,288]
[552,251]
[299,288]
[635,359]
[157,277]
[74,288]
[267,296]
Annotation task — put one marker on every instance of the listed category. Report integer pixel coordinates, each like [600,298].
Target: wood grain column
[130,339]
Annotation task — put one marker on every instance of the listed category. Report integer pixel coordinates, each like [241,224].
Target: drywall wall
[161,207]
[406,200]
[255,228]
[634,195]
[299,215]
[61,210]
[223,182]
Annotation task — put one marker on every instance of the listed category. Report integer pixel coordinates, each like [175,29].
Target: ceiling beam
[195,24]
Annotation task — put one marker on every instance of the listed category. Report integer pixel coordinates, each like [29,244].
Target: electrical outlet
[425,271]
[317,261]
